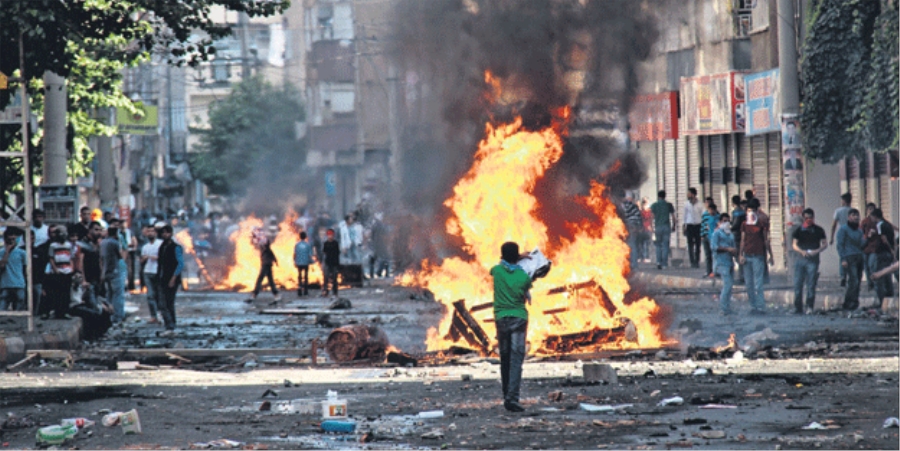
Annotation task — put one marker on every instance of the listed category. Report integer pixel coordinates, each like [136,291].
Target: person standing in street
[664,222]
[724,248]
[303,257]
[693,214]
[850,243]
[41,230]
[331,263]
[880,238]
[12,272]
[88,259]
[150,279]
[808,241]
[840,220]
[738,215]
[866,224]
[110,272]
[83,226]
[709,221]
[754,247]
[58,278]
[267,259]
[171,264]
[511,285]
[632,215]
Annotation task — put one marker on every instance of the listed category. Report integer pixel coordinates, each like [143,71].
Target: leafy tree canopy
[251,133]
[850,77]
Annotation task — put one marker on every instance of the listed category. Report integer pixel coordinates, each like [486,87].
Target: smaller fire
[183,237]
[731,346]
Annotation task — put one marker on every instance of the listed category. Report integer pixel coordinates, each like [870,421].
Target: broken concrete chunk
[340,304]
[433,434]
[710,434]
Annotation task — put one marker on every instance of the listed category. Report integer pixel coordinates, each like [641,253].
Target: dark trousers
[853,272]
[331,273]
[59,293]
[693,244]
[167,303]
[302,280]
[511,338]
[806,274]
[708,253]
[132,274]
[884,285]
[265,272]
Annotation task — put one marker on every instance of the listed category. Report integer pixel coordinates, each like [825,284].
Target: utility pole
[55,153]
[106,166]
[794,194]
[394,127]
[243,21]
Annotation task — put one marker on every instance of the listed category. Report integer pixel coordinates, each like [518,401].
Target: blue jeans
[663,244]
[754,274]
[634,245]
[806,273]
[854,272]
[511,340]
[727,273]
[115,293]
[12,297]
[884,286]
[152,284]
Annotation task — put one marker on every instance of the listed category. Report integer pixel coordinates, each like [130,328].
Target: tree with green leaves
[89,42]
[849,78]
[255,126]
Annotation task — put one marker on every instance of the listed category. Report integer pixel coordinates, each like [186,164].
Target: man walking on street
[267,259]
[738,215]
[171,264]
[12,272]
[150,276]
[850,243]
[331,264]
[880,238]
[110,275]
[664,222]
[808,241]
[754,247]
[693,214]
[632,215]
[708,224]
[724,248]
[511,285]
[303,257]
[840,220]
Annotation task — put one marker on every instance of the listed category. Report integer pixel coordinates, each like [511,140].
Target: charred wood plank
[568,342]
[479,307]
[567,288]
[472,324]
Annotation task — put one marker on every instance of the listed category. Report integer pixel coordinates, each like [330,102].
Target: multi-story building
[709,117]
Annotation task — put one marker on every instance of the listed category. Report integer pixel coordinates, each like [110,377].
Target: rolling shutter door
[692,164]
[660,166]
[871,180]
[760,167]
[716,167]
[745,165]
[776,199]
[856,186]
[671,178]
[731,169]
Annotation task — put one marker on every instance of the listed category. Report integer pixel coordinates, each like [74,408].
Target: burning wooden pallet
[567,343]
[465,326]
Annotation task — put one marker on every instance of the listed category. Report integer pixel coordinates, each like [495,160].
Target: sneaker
[153,321]
[513,406]
[278,297]
[809,311]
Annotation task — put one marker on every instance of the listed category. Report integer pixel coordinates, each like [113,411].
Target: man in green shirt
[511,285]
[663,225]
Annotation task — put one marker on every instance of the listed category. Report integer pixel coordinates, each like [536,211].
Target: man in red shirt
[753,249]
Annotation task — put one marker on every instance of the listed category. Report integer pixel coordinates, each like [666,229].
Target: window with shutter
[745,165]
[692,163]
[671,180]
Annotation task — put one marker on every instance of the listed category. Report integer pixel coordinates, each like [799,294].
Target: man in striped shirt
[632,216]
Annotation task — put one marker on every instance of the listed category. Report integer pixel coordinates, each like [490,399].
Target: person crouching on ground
[724,248]
[511,285]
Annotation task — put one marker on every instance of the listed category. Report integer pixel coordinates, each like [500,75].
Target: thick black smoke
[548,54]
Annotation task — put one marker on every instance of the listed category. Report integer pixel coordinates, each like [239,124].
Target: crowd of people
[84,269]
[737,246]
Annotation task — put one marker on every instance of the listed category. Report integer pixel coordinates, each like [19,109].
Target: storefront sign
[713,104]
[144,122]
[654,117]
[763,108]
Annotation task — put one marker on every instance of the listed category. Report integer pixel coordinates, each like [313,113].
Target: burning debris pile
[540,64]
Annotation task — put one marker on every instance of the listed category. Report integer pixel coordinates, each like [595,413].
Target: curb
[15,348]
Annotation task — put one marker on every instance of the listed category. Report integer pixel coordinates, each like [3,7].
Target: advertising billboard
[654,117]
[713,104]
[144,122]
[763,108]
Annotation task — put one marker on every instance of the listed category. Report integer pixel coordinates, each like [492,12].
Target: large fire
[494,203]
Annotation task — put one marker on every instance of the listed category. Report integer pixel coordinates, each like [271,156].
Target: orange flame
[242,274]
[494,203]
[183,237]
[731,346]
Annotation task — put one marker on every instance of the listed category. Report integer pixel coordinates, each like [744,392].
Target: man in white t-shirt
[41,230]
[150,259]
